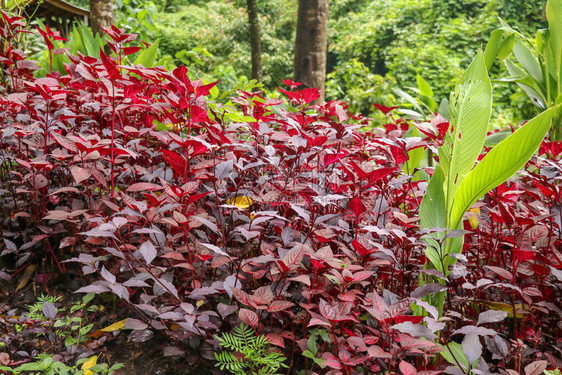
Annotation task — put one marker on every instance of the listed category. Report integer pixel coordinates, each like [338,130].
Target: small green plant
[553,372]
[251,354]
[68,328]
[458,181]
[312,346]
[44,364]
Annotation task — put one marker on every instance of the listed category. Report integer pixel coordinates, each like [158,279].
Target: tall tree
[255,40]
[311,44]
[101,15]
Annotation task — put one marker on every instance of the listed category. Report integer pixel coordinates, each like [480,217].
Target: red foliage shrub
[292,220]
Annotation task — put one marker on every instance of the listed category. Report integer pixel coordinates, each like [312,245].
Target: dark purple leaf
[415,330]
[473,330]
[426,289]
[49,310]
[148,251]
[472,347]
[491,316]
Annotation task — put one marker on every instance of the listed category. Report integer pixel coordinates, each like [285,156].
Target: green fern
[253,354]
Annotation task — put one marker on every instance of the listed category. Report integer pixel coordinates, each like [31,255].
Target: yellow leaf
[473,219]
[115,326]
[86,366]
[27,273]
[240,202]
[520,309]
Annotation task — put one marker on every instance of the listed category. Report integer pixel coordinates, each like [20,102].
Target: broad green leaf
[424,87]
[506,47]
[541,39]
[470,109]
[554,44]
[148,56]
[432,208]
[531,87]
[444,108]
[434,258]
[525,57]
[414,158]
[501,163]
[453,352]
[493,47]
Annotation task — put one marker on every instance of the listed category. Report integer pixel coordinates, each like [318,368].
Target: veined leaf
[527,60]
[532,88]
[501,163]
[470,110]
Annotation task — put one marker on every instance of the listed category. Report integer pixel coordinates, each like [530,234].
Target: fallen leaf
[86,366]
[115,326]
[24,279]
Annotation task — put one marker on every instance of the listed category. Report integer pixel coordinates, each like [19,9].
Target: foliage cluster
[271,212]
[54,337]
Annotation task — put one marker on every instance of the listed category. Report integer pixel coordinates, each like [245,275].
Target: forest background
[374,47]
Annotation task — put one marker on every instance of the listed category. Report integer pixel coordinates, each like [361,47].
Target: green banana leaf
[502,162]
[470,109]
[554,42]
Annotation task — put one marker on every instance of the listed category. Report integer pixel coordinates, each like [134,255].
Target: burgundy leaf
[357,206]
[280,306]
[501,271]
[491,316]
[536,368]
[248,317]
[407,369]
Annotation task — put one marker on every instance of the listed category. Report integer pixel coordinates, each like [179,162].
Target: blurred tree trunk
[255,40]
[101,15]
[311,44]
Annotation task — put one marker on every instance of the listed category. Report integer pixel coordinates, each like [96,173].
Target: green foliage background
[375,46]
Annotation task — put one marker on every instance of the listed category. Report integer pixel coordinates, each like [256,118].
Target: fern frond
[256,358]
[227,360]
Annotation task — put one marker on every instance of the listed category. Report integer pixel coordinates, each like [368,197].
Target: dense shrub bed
[276,213]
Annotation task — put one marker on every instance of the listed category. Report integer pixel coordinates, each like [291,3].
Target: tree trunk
[311,45]
[255,40]
[101,15]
